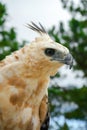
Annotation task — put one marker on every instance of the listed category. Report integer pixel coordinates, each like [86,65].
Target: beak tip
[69,60]
[70,66]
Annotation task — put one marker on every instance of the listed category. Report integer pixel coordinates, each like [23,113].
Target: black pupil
[50,51]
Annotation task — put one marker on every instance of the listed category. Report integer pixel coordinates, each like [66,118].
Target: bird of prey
[24,80]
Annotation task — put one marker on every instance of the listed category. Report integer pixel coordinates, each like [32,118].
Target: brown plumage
[24,79]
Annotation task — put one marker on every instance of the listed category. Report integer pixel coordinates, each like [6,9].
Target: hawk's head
[46,54]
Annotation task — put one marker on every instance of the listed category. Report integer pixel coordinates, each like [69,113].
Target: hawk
[24,80]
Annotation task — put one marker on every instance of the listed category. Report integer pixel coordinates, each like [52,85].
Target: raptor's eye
[50,52]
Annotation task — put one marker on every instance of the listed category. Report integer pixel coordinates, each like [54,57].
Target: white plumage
[24,78]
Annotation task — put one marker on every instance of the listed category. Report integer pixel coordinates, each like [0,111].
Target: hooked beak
[67,59]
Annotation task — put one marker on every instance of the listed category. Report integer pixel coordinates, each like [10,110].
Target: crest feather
[38,28]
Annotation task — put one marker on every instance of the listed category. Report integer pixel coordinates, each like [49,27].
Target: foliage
[74,36]
[8,37]
[69,96]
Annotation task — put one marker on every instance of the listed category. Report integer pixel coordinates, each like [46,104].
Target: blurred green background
[68,105]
